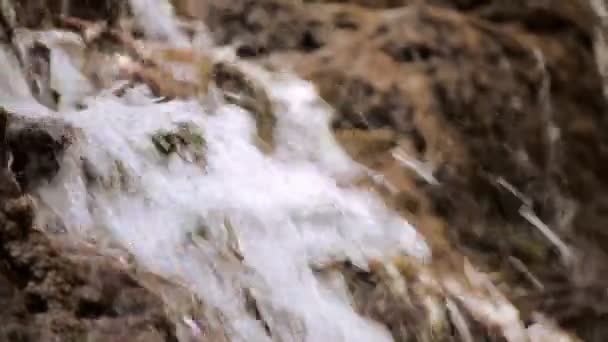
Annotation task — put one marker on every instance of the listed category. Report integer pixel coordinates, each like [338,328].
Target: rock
[400,294]
[37,147]
[381,4]
[408,309]
[56,297]
[241,90]
[235,85]
[8,17]
[42,13]
[479,100]
[188,141]
[50,292]
[260,27]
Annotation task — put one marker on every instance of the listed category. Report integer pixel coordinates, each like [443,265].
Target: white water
[286,209]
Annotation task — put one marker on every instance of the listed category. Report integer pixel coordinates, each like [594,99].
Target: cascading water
[240,224]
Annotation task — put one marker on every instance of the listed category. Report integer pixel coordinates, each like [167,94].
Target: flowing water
[243,223]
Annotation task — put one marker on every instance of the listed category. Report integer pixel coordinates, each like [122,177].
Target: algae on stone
[187,141]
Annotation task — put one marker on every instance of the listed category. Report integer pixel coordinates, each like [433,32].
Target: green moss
[187,141]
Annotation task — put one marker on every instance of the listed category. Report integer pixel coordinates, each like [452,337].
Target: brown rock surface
[43,13]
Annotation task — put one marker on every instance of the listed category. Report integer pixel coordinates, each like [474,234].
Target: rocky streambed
[480,122]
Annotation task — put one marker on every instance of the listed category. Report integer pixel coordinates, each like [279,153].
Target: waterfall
[239,223]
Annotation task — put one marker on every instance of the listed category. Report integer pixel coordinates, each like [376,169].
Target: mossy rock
[187,141]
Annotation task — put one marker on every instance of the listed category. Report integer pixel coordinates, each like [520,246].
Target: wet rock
[388,296]
[400,294]
[259,27]
[368,3]
[8,19]
[309,28]
[37,147]
[187,141]
[8,184]
[69,299]
[42,13]
[481,100]
[434,77]
[235,85]
[38,63]
[241,90]
[52,293]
